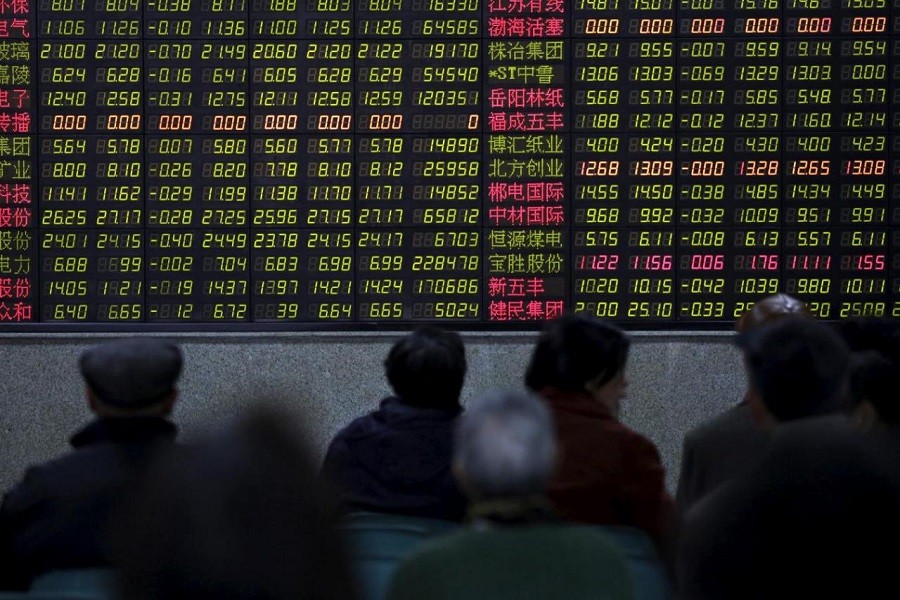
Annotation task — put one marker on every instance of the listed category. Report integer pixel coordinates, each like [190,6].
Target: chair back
[44,596]
[87,584]
[378,542]
[649,576]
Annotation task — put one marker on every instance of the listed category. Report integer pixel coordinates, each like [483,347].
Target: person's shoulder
[636,443]
[71,461]
[76,468]
[834,428]
[360,426]
[827,446]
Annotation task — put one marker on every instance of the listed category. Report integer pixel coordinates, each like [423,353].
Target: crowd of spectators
[792,493]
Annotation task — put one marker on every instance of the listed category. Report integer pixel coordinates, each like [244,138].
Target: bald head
[771,309]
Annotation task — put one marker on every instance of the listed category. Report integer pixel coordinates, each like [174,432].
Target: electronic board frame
[270,165]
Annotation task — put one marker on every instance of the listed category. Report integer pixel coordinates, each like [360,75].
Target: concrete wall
[677,380]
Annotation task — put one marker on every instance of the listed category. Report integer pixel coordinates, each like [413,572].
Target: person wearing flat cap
[56,517]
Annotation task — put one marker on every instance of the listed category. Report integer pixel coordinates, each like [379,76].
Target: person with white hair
[504,456]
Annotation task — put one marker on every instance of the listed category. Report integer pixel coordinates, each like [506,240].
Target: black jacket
[397,460]
[718,451]
[816,518]
[56,517]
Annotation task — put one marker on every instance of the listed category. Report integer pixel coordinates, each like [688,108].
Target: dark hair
[872,333]
[798,367]
[574,350]
[873,380]
[240,516]
[876,370]
[427,367]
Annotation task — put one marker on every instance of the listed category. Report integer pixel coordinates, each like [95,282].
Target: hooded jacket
[397,460]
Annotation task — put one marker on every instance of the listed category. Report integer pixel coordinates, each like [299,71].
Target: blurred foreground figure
[816,518]
[731,443]
[238,517]
[812,518]
[609,474]
[515,549]
[396,459]
[57,516]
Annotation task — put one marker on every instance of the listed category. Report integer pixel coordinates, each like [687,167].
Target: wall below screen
[676,380]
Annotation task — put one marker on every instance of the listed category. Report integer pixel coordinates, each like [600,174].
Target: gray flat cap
[133,372]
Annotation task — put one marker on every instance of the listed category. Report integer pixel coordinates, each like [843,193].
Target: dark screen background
[483,163]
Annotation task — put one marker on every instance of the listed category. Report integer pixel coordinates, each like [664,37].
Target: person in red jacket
[608,474]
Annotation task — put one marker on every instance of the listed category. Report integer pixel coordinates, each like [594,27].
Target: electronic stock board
[478,163]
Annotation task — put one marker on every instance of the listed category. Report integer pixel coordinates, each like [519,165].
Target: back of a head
[769,310]
[817,518]
[576,349]
[240,516]
[505,446]
[875,368]
[427,367]
[872,379]
[131,374]
[872,333]
[797,366]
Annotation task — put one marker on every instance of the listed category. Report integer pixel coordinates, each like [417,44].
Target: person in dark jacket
[815,518]
[731,443]
[798,523]
[57,516]
[397,459]
[874,373]
[608,474]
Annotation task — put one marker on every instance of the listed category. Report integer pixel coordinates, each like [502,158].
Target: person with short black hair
[504,457]
[609,474]
[57,516]
[396,459]
[426,369]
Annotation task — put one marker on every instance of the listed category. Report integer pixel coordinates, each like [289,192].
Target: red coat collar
[580,403]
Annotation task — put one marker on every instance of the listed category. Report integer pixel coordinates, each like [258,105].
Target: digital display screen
[470,162]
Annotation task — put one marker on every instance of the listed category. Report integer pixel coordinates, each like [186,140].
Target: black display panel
[479,163]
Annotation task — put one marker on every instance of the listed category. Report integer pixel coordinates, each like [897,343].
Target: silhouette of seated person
[238,516]
[874,372]
[872,392]
[57,516]
[515,547]
[812,518]
[396,459]
[732,442]
[608,473]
